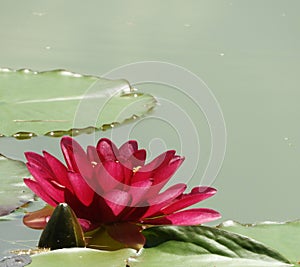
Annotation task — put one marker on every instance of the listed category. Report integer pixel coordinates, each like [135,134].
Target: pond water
[246,52]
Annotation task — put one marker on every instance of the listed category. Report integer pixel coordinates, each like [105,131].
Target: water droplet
[222,54]
[286,138]
[48,47]
[187,25]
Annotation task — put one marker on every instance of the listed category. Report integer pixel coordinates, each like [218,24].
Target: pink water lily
[110,186]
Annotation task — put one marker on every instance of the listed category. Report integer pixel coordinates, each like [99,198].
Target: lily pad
[15,261]
[203,246]
[284,237]
[58,102]
[82,257]
[195,246]
[13,192]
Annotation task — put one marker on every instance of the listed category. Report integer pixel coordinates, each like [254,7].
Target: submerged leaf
[13,192]
[62,231]
[56,103]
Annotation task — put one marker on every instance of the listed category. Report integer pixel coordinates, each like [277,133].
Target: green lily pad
[13,192]
[203,246]
[155,257]
[284,237]
[82,257]
[193,246]
[58,102]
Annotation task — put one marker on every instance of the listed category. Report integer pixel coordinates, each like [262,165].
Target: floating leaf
[203,246]
[81,257]
[15,261]
[284,237]
[13,192]
[56,103]
[194,246]
[158,257]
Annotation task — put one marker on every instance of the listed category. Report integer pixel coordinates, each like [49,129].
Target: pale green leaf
[203,246]
[284,237]
[56,103]
[13,192]
[82,257]
[195,246]
[156,257]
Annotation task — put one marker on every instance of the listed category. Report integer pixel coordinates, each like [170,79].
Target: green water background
[247,52]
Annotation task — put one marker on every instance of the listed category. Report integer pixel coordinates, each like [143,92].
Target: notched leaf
[56,103]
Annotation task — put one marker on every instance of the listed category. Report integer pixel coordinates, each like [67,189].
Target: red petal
[107,150]
[198,194]
[163,199]
[138,192]
[34,186]
[109,175]
[186,217]
[147,170]
[81,189]
[59,170]
[128,234]
[53,189]
[117,201]
[171,193]
[138,158]
[38,219]
[162,177]
[127,149]
[86,225]
[76,157]
[93,154]
[134,214]
[39,161]
[165,173]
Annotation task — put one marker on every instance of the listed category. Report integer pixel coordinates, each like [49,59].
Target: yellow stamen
[135,169]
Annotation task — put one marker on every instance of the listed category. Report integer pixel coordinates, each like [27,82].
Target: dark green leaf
[200,245]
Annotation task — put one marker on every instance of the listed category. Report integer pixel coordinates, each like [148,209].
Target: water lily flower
[114,188]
